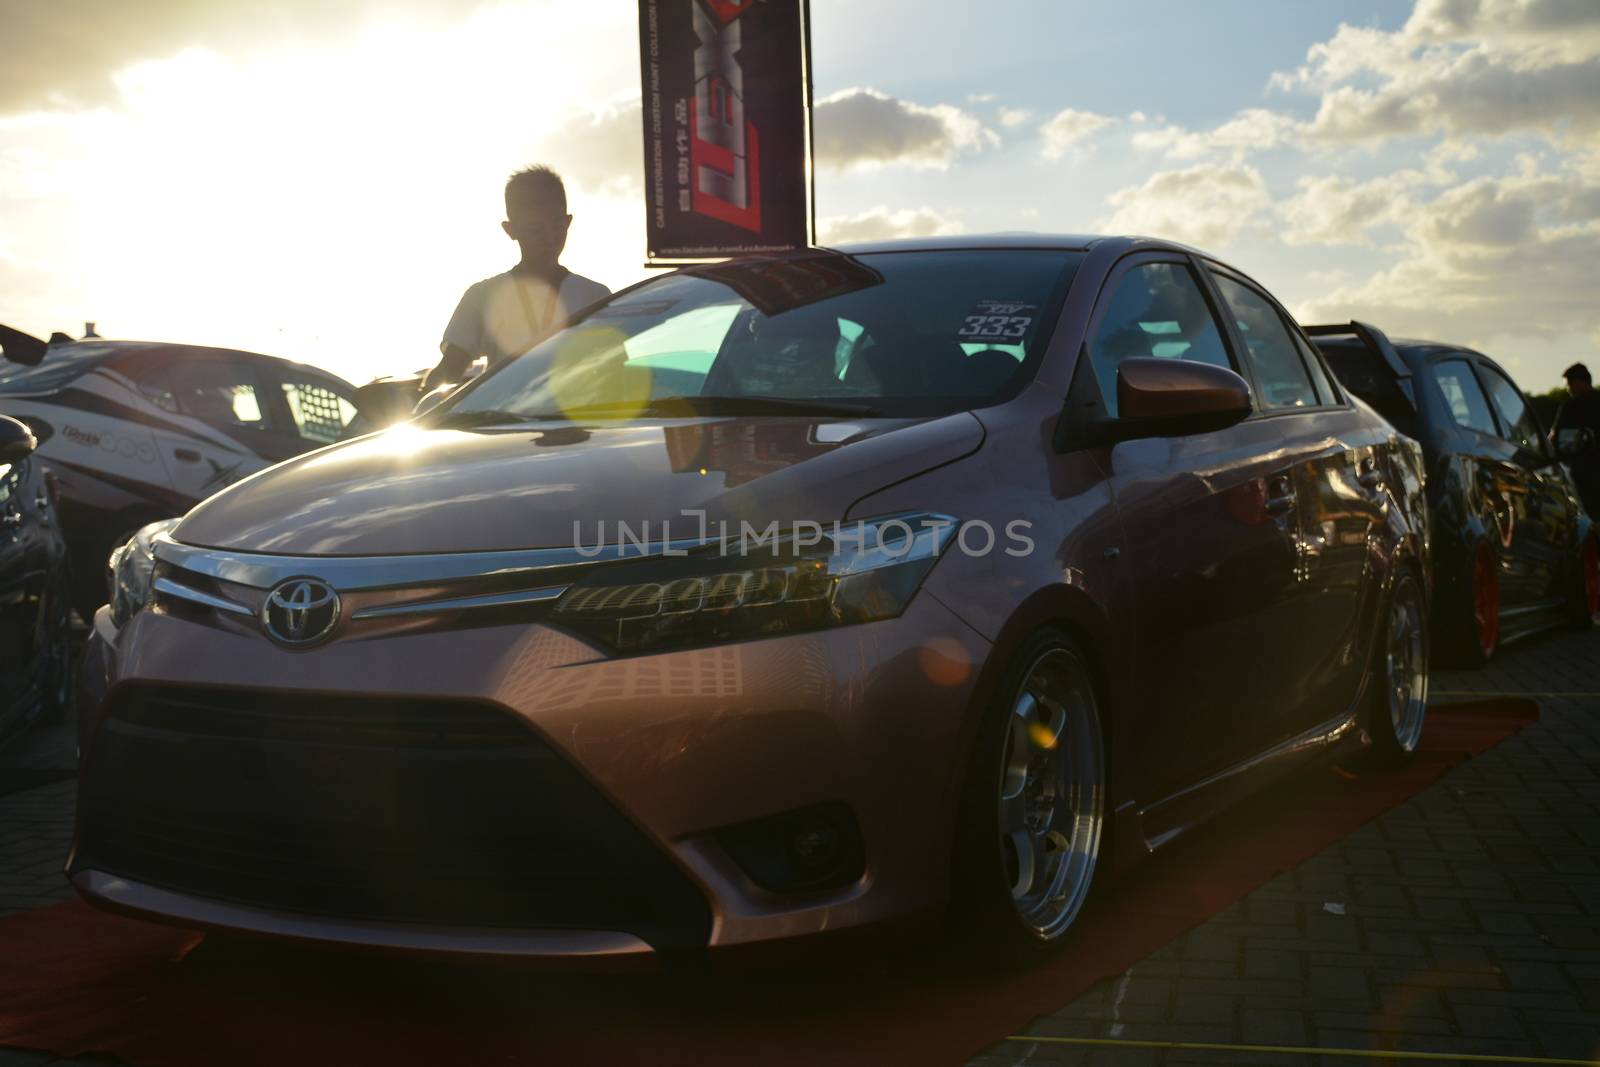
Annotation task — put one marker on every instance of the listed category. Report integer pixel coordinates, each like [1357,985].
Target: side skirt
[1163,821]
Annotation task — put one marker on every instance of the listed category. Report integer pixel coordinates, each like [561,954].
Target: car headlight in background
[132,566]
[865,571]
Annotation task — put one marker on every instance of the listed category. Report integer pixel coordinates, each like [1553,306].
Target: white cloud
[1334,210]
[1204,205]
[1517,255]
[1012,117]
[1569,29]
[1069,127]
[1461,68]
[865,128]
[883,223]
[66,52]
[1252,130]
[600,151]
[1472,93]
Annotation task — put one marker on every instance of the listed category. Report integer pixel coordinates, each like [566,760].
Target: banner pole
[811,162]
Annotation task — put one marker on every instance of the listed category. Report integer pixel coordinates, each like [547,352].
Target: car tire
[1475,638]
[1034,811]
[1585,594]
[1397,703]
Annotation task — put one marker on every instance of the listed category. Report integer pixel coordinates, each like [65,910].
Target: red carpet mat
[75,981]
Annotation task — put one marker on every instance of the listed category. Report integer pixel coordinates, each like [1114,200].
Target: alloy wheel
[1052,794]
[1406,666]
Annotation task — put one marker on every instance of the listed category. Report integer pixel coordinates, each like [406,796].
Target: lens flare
[945,662]
[1041,735]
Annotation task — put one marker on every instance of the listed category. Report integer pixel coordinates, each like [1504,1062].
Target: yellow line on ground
[1363,1053]
[1498,693]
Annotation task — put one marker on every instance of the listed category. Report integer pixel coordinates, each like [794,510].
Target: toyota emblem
[300,612]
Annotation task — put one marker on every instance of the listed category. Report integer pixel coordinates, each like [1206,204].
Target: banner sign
[727,137]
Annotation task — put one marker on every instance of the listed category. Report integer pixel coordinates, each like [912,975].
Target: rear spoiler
[1376,342]
[23,348]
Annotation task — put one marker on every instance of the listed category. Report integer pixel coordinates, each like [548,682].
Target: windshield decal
[998,320]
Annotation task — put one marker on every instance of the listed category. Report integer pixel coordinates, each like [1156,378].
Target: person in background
[504,316]
[1582,411]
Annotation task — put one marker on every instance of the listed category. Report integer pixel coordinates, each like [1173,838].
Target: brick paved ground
[1471,913]
[1470,916]
[35,824]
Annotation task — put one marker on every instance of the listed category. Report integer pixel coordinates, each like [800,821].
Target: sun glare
[326,202]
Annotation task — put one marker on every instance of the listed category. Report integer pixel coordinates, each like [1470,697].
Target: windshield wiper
[462,420]
[670,407]
[761,405]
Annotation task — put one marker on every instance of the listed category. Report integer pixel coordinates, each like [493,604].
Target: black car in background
[35,640]
[1513,551]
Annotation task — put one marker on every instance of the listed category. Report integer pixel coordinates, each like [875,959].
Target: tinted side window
[1319,377]
[1280,371]
[219,393]
[1515,415]
[1363,373]
[153,384]
[320,414]
[1468,406]
[1157,309]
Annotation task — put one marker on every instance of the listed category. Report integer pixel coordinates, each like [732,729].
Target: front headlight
[131,566]
[849,573]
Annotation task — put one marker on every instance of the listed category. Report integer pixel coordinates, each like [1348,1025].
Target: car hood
[413,490]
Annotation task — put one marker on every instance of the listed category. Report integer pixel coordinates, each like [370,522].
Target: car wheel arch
[1074,614]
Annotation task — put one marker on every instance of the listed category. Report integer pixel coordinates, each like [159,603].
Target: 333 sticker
[997,320]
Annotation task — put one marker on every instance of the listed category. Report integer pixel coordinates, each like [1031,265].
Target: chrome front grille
[472,587]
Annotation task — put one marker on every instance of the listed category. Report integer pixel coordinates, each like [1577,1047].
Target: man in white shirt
[504,316]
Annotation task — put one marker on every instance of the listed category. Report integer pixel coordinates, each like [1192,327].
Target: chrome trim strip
[357,573]
[463,603]
[195,596]
[126,895]
[349,574]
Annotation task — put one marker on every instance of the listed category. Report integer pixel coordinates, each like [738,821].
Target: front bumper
[675,746]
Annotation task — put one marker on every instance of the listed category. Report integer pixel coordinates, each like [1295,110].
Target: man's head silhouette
[536,216]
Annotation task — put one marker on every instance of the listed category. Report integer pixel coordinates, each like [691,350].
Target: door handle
[11,520]
[187,455]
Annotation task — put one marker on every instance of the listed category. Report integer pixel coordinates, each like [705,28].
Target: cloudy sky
[320,179]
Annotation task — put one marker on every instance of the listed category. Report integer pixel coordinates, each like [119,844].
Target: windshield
[901,333]
[57,369]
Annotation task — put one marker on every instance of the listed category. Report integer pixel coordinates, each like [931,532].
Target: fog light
[807,849]
[813,845]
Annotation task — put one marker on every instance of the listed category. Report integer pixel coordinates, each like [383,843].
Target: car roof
[96,351]
[1015,239]
[1410,346]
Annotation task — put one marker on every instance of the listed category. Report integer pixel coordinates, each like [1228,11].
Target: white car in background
[138,431]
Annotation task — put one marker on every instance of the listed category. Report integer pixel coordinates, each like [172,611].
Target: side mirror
[1175,397]
[431,399]
[16,440]
[1570,444]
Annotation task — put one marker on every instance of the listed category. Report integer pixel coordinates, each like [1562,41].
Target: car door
[1312,673]
[225,430]
[1546,527]
[1213,535]
[1499,489]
